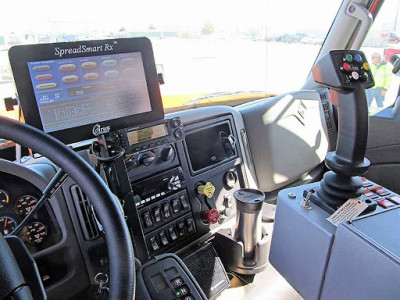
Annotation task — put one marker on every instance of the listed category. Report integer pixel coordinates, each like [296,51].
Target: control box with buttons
[351,70]
[375,193]
[371,236]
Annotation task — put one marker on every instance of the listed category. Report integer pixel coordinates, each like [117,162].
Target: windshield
[206,49]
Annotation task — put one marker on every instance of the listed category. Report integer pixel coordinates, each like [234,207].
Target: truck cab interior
[227,151]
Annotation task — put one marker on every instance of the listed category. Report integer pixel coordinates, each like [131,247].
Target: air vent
[89,224]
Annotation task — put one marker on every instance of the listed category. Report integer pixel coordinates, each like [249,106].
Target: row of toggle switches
[160,213]
[171,233]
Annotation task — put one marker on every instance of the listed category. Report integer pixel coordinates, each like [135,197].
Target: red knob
[212,215]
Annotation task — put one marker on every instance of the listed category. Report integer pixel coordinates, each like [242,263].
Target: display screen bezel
[22,54]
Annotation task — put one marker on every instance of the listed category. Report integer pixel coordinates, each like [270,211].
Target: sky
[283,15]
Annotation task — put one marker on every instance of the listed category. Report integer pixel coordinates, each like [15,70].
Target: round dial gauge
[35,233]
[4,199]
[7,225]
[24,205]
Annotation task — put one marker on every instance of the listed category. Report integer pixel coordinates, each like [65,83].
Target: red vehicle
[389,52]
[391,37]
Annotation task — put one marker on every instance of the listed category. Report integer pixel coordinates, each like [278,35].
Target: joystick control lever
[347,74]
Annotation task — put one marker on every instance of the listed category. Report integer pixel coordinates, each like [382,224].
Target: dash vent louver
[91,228]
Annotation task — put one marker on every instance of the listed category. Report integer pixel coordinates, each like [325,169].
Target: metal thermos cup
[248,229]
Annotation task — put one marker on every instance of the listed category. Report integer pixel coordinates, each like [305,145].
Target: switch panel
[171,234]
[166,210]
[167,278]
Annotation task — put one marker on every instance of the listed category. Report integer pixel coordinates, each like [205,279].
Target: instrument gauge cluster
[35,233]
[7,225]
[17,199]
[24,204]
[4,199]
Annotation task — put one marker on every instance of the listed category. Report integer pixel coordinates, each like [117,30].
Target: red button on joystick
[347,67]
[212,215]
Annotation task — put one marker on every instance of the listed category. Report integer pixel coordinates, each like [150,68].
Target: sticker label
[350,209]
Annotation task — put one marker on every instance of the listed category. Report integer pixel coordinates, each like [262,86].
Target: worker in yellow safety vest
[382,72]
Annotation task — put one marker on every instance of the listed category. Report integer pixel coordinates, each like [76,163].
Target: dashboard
[169,213]
[174,175]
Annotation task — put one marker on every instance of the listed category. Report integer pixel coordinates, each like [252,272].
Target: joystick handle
[349,157]
[347,74]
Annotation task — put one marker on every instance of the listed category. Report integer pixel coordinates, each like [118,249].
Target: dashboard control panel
[149,136]
[162,212]
[172,203]
[156,187]
[149,162]
[170,234]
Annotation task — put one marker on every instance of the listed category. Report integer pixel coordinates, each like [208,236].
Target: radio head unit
[78,90]
[148,136]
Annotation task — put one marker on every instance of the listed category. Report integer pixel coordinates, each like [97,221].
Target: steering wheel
[120,249]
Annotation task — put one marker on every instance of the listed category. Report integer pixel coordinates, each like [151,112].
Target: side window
[382,41]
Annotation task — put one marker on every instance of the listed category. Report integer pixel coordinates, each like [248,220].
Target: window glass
[382,41]
[206,48]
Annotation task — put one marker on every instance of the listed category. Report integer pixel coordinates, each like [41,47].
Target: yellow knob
[207,190]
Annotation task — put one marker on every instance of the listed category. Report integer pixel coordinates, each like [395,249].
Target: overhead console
[175,181]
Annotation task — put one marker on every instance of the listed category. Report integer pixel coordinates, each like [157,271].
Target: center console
[339,229]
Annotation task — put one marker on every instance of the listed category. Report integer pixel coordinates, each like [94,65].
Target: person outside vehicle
[382,72]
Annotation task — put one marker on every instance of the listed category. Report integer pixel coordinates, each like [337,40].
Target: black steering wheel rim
[120,249]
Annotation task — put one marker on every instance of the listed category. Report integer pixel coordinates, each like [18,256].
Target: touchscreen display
[79,91]
[146,134]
